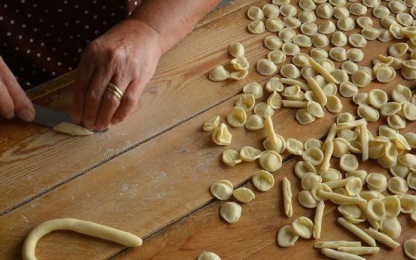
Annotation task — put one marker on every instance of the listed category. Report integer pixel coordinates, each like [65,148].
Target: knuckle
[94,95]
[129,100]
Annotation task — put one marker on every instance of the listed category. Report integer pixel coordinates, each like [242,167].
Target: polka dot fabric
[41,40]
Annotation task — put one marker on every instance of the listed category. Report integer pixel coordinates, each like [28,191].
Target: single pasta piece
[358,232]
[263,180]
[306,199]
[410,248]
[250,154]
[230,212]
[236,50]
[317,223]
[221,135]
[208,256]
[254,122]
[231,157]
[243,195]
[391,227]
[383,238]
[287,197]
[271,161]
[336,244]
[334,254]
[237,117]
[222,189]
[256,27]
[211,124]
[286,237]
[362,250]
[219,73]
[302,226]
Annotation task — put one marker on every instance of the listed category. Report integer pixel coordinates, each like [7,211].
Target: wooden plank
[146,189]
[254,235]
[181,75]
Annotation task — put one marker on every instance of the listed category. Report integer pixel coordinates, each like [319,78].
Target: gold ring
[115,91]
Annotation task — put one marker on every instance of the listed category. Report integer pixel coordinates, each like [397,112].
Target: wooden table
[151,174]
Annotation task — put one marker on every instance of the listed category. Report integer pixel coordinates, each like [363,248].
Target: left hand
[127,56]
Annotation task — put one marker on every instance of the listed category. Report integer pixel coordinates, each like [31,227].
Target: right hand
[13,99]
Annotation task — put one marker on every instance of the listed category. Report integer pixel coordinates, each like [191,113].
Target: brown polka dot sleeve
[43,39]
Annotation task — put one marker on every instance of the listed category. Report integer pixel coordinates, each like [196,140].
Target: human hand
[12,97]
[127,56]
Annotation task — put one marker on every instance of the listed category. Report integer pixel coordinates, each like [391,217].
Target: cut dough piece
[72,129]
[208,256]
[243,195]
[80,226]
[222,189]
[263,180]
[230,212]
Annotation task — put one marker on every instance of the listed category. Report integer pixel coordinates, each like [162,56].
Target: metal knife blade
[51,118]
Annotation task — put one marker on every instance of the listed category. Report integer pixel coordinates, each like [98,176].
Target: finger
[130,98]
[94,97]
[7,106]
[83,78]
[21,103]
[110,103]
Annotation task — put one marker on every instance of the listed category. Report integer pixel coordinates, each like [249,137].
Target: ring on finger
[115,91]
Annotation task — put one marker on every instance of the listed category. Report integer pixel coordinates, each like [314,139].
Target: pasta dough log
[72,129]
[80,226]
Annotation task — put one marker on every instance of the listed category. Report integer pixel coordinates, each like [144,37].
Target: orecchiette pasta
[277,56]
[256,27]
[222,189]
[254,122]
[221,135]
[357,40]
[273,42]
[263,180]
[346,24]
[255,13]
[286,237]
[266,67]
[274,24]
[211,124]
[237,117]
[253,88]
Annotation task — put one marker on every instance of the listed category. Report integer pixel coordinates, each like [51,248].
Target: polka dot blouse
[42,39]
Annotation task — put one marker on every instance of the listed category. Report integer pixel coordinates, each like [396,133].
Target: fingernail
[27,115]
[100,127]
[10,115]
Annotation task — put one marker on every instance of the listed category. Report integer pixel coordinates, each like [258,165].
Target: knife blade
[51,118]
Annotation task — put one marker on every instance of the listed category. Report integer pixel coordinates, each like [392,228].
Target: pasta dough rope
[357,231]
[287,197]
[80,226]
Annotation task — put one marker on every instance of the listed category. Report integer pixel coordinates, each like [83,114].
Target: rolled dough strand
[80,226]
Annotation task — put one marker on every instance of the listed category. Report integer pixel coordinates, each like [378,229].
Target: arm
[127,56]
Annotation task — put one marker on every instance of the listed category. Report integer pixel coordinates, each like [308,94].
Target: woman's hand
[12,97]
[127,56]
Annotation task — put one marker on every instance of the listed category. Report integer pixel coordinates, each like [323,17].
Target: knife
[49,117]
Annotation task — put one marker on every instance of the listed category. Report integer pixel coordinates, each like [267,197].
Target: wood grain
[172,97]
[254,235]
[156,168]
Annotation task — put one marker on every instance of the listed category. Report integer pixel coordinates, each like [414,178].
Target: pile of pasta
[311,83]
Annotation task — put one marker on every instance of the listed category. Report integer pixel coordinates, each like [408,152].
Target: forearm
[172,20]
